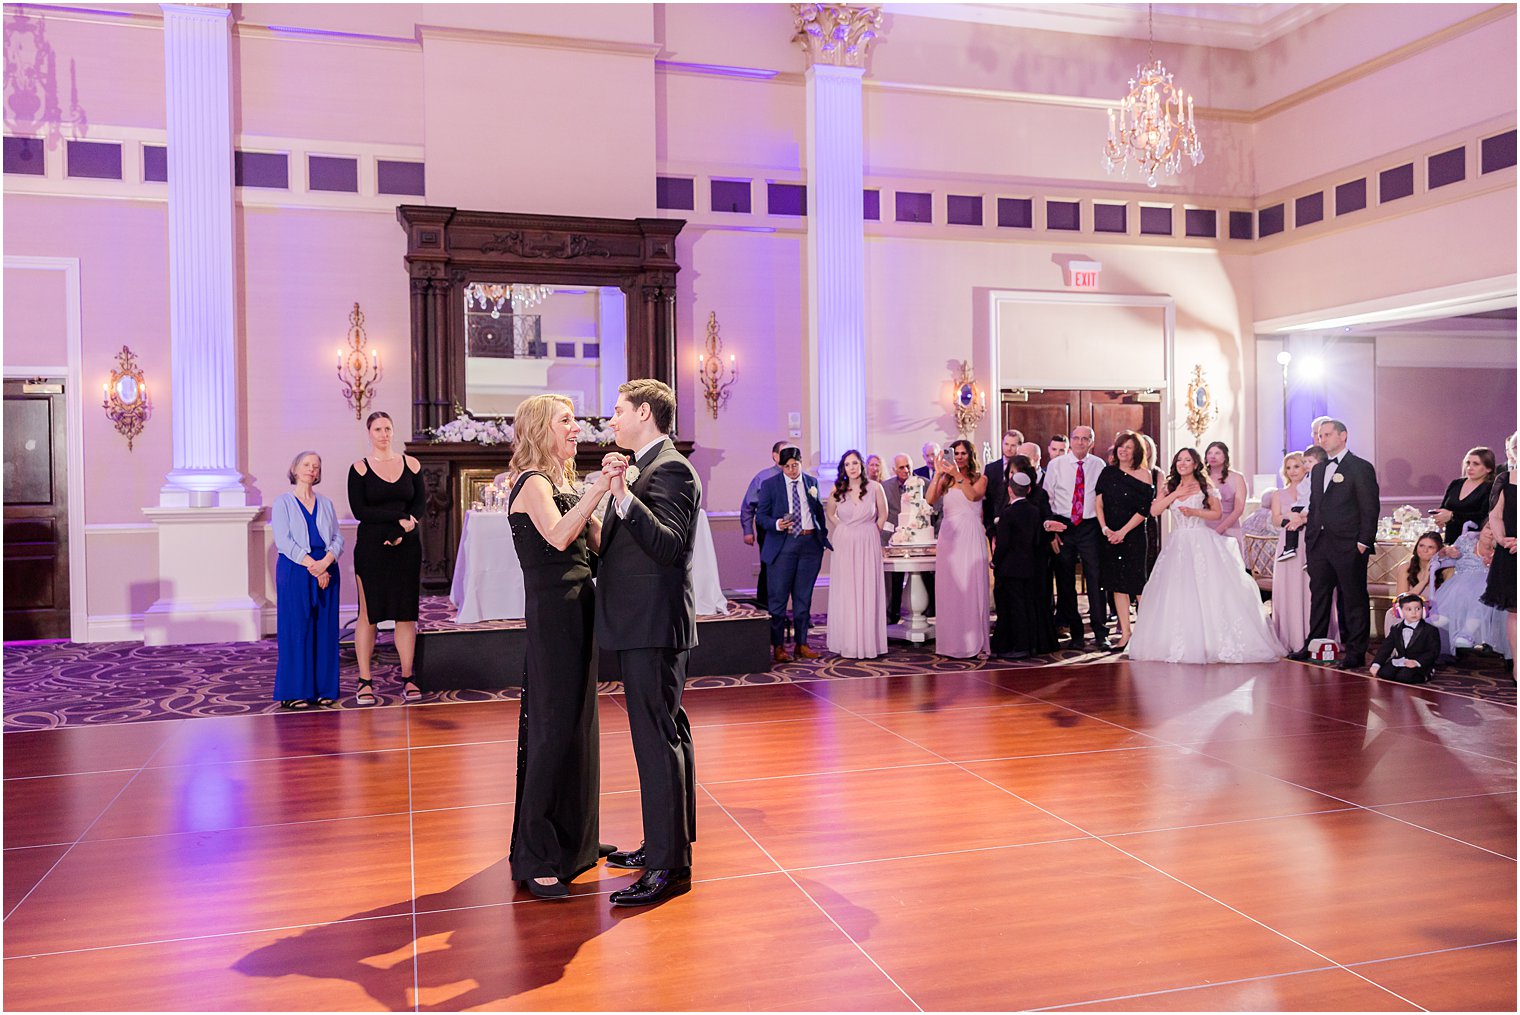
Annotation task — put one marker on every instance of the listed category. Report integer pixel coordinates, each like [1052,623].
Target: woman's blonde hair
[1289,457]
[534,450]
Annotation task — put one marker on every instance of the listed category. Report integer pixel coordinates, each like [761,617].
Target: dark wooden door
[1052,412]
[36,521]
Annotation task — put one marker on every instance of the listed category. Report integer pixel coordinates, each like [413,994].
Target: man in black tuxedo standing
[997,481]
[931,452]
[892,486]
[1341,527]
[645,611]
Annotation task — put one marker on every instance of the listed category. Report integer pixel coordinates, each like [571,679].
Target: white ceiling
[1227,25]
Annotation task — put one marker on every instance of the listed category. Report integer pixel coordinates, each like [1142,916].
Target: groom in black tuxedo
[1341,527]
[645,611]
[996,497]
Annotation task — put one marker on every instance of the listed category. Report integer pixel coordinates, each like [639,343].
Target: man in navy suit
[792,515]
[1341,528]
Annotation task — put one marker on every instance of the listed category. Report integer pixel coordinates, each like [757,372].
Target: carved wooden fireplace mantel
[446,249]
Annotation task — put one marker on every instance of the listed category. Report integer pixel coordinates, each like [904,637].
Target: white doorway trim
[74,396]
[999,298]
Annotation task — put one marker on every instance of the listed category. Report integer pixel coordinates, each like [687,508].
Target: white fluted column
[836,38]
[205,579]
[202,282]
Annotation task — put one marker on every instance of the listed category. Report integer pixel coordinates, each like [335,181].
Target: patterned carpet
[54,684]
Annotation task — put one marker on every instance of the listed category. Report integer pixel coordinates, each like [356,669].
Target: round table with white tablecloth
[488,581]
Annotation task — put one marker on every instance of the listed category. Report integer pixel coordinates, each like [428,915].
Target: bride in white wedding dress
[1200,604]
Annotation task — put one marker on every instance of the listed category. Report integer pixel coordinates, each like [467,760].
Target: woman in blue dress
[305,525]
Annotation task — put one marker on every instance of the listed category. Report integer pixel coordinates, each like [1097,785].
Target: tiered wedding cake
[915,526]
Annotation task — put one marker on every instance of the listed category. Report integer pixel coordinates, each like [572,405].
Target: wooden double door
[36,520]
[1052,412]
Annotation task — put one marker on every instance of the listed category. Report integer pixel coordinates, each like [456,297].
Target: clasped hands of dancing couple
[640,608]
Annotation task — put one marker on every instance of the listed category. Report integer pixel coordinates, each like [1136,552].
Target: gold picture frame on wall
[1200,405]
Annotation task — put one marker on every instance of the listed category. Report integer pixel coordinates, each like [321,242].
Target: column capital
[203,12]
[836,35]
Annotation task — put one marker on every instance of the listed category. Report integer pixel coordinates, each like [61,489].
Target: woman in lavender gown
[961,577]
[857,589]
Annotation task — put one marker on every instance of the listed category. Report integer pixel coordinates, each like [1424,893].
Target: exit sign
[1084,274]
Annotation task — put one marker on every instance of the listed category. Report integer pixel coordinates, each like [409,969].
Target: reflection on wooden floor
[1120,836]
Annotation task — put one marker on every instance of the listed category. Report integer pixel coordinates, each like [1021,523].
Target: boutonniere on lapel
[631,475]
[1337,478]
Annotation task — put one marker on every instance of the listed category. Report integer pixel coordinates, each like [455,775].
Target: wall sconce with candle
[970,401]
[716,378]
[125,397]
[357,372]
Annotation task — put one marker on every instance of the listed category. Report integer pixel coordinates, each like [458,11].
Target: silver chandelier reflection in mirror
[514,297]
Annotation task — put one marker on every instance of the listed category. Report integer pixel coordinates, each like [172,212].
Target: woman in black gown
[1467,498]
[554,831]
[386,495]
[1500,592]
[1125,492]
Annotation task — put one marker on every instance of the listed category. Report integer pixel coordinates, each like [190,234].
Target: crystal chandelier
[495,298]
[1155,122]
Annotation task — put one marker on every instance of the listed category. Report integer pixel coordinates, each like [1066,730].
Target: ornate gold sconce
[357,373]
[716,378]
[125,397]
[970,401]
[1200,402]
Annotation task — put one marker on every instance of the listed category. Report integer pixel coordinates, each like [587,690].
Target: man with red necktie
[1070,481]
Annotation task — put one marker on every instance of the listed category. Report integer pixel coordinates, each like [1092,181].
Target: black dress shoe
[1349,664]
[631,859]
[605,849]
[1103,645]
[654,886]
[1301,656]
[558,890]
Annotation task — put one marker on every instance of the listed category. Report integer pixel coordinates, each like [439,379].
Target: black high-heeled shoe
[558,890]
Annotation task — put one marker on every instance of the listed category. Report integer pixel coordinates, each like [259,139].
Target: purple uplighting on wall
[1351,196]
[155,163]
[677,193]
[94,160]
[731,196]
[914,207]
[1015,213]
[786,198]
[24,155]
[400,177]
[1447,167]
[1498,152]
[871,201]
[1396,183]
[1110,218]
[325,172]
[564,350]
[1309,209]
[270,170]
[1155,221]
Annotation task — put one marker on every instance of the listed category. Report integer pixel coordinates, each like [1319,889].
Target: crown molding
[644,50]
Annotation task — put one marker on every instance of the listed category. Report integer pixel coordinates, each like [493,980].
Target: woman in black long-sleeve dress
[1500,592]
[1125,492]
[554,831]
[1467,498]
[386,495]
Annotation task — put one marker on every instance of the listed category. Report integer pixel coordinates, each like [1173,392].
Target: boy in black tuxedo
[1409,652]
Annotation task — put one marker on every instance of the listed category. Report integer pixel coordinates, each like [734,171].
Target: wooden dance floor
[1118,836]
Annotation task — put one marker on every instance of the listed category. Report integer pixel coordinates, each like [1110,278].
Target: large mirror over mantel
[504,306]
[523,339]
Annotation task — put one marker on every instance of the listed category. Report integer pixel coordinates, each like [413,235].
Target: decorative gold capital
[835,34]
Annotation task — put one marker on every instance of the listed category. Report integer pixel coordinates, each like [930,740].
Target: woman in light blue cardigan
[305,525]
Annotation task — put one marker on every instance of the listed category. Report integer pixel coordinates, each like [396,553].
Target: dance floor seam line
[816,904]
[411,867]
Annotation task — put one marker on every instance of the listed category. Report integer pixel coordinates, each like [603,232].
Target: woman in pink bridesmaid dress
[961,578]
[857,592]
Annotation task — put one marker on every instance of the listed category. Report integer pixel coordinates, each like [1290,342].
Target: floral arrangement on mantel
[464,428]
[467,429]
